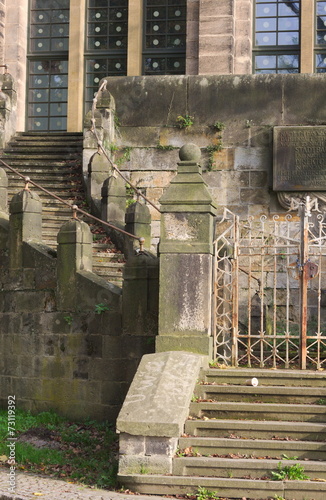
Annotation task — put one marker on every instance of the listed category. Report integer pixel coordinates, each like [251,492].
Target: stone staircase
[54,161]
[237,435]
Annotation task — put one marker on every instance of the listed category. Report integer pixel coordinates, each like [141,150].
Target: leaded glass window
[106,42]
[277,36]
[48,86]
[48,65]
[49,26]
[164,37]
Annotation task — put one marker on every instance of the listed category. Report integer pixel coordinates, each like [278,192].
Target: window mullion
[307,24]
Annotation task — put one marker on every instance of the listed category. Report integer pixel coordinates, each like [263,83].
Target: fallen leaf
[3,458]
[38,494]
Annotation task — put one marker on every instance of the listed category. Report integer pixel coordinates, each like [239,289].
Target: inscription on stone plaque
[299,160]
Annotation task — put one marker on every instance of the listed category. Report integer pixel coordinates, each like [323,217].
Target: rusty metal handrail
[100,147]
[74,207]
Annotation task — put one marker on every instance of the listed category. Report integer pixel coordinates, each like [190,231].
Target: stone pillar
[4,224]
[98,171]
[3,191]
[25,224]
[105,128]
[113,203]
[186,250]
[74,254]
[138,222]
[140,295]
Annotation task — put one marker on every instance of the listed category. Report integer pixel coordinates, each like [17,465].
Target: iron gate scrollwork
[269,291]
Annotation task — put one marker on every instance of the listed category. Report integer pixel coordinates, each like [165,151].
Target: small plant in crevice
[101,308]
[218,126]
[117,123]
[143,469]
[68,319]
[293,472]
[185,121]
[130,200]
[205,494]
[125,156]
[213,148]
[168,147]
[113,148]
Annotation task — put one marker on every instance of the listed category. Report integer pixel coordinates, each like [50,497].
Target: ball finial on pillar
[190,152]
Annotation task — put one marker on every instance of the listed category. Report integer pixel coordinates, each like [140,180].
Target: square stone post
[186,249]
[74,254]
[25,224]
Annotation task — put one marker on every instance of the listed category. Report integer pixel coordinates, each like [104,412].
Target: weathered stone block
[167,96]
[158,399]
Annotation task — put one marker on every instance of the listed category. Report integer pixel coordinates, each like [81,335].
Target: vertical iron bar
[262,297]
[214,298]
[274,296]
[303,286]
[235,294]
[287,319]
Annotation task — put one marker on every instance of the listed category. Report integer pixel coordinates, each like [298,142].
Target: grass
[85,451]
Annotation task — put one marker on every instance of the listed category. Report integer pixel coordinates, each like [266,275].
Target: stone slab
[157,402]
[299,158]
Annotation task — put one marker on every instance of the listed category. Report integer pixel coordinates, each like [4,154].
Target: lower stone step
[254,448]
[249,468]
[225,487]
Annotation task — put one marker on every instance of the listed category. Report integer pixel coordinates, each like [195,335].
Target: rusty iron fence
[269,290]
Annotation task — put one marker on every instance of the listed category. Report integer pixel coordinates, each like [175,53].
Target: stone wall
[59,350]
[240,175]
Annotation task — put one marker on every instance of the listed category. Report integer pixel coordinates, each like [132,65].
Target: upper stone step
[268,394]
[242,376]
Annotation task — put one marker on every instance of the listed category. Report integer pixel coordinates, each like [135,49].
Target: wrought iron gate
[270,290]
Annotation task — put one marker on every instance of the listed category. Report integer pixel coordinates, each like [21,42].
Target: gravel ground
[30,486]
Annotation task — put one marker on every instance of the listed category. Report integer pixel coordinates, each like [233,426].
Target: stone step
[268,394]
[35,147]
[28,165]
[256,429]
[236,376]
[107,264]
[254,448]
[108,273]
[249,468]
[26,156]
[259,411]
[226,487]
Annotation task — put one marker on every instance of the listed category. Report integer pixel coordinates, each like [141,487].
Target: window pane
[165,37]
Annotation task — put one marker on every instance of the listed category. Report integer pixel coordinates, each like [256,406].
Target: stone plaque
[299,162]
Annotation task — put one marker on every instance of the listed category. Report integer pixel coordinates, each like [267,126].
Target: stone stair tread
[226,487]
[254,447]
[272,424]
[226,389]
[259,411]
[222,467]
[264,376]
